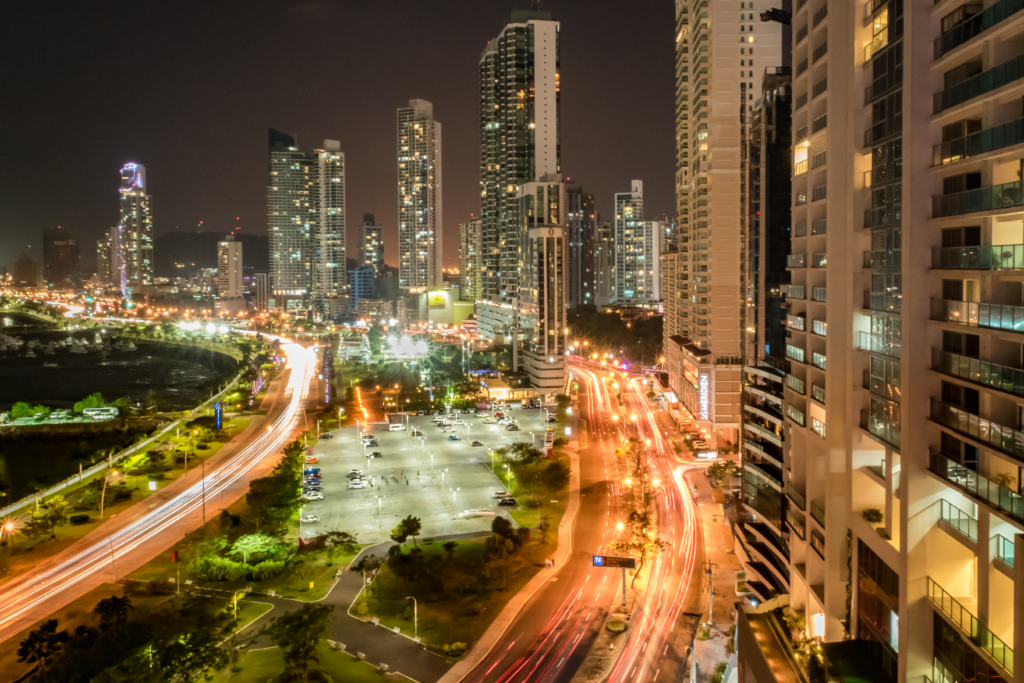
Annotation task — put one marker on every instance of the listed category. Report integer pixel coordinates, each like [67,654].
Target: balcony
[819,159]
[818,393]
[764,449]
[819,52]
[794,414]
[763,433]
[959,520]
[818,543]
[818,359]
[819,87]
[795,383]
[980,84]
[819,260]
[819,226]
[1004,550]
[994,316]
[800,167]
[885,430]
[818,294]
[883,216]
[795,261]
[770,473]
[801,100]
[981,488]
[969,624]
[885,258]
[965,31]
[984,257]
[764,411]
[889,301]
[992,434]
[801,67]
[819,16]
[800,34]
[818,513]
[981,142]
[796,496]
[994,198]
[981,372]
[819,192]
[876,343]
[819,123]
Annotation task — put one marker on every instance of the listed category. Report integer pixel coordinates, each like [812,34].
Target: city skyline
[231,135]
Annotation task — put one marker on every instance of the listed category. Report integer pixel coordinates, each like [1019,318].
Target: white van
[396,428]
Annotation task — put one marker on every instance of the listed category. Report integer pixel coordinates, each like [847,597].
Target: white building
[470,246]
[638,244]
[371,243]
[419,196]
[229,268]
[135,258]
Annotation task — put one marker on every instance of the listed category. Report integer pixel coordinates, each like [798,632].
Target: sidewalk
[508,615]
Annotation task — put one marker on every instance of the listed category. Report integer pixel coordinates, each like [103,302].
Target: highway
[551,638]
[131,539]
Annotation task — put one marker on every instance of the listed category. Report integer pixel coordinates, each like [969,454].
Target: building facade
[61,260]
[104,259]
[136,231]
[580,219]
[371,243]
[362,281]
[419,196]
[604,263]
[470,246]
[25,273]
[306,225]
[637,247]
[229,269]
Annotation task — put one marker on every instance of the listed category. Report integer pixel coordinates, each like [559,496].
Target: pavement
[449,485]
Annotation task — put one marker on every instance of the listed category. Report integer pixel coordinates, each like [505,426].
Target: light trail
[36,588]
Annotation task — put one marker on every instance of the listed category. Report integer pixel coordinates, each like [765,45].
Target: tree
[723,470]
[21,410]
[90,401]
[42,644]
[254,546]
[449,550]
[339,540]
[112,611]
[298,633]
[39,526]
[56,510]
[544,527]
[563,405]
[556,476]
[190,646]
[410,526]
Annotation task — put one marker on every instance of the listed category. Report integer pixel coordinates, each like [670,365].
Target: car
[311,470]
[374,454]
[307,489]
[355,470]
[477,443]
[508,501]
[367,437]
[460,423]
[309,519]
[358,485]
[512,428]
[490,421]
[454,437]
[502,494]
[354,475]
[326,435]
[551,420]
[499,415]
[312,460]
[313,495]
[417,432]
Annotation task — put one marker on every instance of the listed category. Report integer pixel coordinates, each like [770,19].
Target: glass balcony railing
[794,494]
[984,257]
[876,343]
[977,371]
[981,488]
[992,434]
[795,383]
[964,31]
[985,82]
[969,624]
[959,520]
[800,168]
[818,513]
[995,316]
[883,216]
[818,544]
[1005,196]
[1004,549]
[888,430]
[983,141]
[796,261]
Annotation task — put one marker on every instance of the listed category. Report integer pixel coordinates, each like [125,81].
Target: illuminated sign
[437,299]
[615,562]
[704,390]
[218,414]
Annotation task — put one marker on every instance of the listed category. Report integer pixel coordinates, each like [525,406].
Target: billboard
[437,299]
[608,561]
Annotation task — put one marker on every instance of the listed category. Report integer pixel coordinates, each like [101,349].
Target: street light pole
[415,616]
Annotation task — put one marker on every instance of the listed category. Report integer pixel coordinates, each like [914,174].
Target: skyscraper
[419,196]
[26,272]
[519,143]
[711,132]
[229,268]
[61,259]
[604,262]
[136,231]
[579,233]
[469,259]
[637,247]
[104,259]
[306,224]
[371,243]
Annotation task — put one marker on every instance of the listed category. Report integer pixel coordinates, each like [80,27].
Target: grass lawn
[262,665]
[72,615]
[251,610]
[26,553]
[446,619]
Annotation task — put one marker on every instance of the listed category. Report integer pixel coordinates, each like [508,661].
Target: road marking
[665,652]
[656,675]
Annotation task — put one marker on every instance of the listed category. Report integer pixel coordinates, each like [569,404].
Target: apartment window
[878,607]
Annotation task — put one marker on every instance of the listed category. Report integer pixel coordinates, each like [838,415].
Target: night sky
[188,89]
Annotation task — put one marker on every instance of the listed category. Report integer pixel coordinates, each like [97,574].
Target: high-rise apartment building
[579,234]
[371,243]
[519,143]
[306,225]
[104,259]
[25,272]
[721,56]
[61,260]
[229,268]
[136,231]
[419,197]
[637,248]
[604,262]
[363,285]
[470,246]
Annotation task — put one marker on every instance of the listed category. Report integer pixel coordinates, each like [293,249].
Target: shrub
[215,568]
[156,476]
[90,498]
[455,649]
[362,609]
[78,519]
[719,672]
[616,626]
[873,516]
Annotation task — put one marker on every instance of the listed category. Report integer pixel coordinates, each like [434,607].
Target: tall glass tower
[136,244]
[419,196]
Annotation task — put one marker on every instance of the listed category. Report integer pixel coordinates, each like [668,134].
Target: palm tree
[42,644]
[112,611]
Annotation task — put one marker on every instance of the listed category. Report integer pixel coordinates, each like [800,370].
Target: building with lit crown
[136,232]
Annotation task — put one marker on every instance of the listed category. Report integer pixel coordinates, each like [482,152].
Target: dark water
[167,376]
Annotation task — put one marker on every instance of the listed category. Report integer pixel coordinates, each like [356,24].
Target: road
[131,539]
[559,626]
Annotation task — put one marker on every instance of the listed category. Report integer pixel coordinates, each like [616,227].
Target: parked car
[490,421]
[311,489]
[417,432]
[454,437]
[326,435]
[502,494]
[354,475]
[551,420]
[358,485]
[511,428]
[355,470]
[312,460]
[311,470]
[508,501]
[477,443]
[309,519]
[367,437]
[375,454]
[499,415]
[313,495]
[460,423]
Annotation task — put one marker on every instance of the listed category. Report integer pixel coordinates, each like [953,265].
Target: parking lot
[447,484]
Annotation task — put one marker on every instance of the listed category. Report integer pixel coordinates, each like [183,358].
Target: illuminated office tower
[371,243]
[637,248]
[229,268]
[419,197]
[469,259]
[579,234]
[136,234]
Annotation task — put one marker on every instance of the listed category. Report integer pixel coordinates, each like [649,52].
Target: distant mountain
[199,250]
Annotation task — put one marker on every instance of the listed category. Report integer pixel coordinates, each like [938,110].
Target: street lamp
[455,495]
[415,616]
[103,494]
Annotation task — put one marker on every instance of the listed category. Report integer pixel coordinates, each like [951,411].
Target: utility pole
[709,571]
